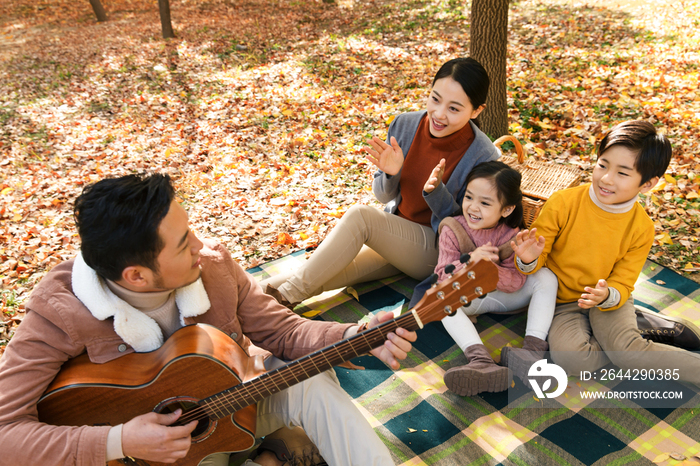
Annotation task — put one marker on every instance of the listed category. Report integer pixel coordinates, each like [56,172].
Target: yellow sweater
[584,243]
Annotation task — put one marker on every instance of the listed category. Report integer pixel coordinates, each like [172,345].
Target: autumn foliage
[260,108]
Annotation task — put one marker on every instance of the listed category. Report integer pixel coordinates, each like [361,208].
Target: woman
[424,148]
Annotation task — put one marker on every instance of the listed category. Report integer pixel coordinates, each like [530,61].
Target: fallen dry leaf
[352,292]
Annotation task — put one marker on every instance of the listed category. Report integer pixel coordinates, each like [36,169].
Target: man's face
[178,262]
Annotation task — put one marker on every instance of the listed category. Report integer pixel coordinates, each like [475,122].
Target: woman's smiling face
[449,108]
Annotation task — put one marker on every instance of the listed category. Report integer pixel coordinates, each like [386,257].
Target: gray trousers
[588,339]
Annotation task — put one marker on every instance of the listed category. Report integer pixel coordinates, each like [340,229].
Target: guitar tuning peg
[433,279]
[464,258]
[483,296]
[449,268]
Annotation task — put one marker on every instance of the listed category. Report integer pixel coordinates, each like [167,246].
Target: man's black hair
[653,149]
[118,219]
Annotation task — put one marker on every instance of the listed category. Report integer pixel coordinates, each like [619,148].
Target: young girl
[436,144]
[491,216]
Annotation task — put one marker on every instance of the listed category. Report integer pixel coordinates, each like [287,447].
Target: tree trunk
[489,46]
[99,10]
[167,26]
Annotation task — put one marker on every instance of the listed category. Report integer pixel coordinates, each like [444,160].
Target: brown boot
[293,447]
[482,374]
[274,292]
[519,360]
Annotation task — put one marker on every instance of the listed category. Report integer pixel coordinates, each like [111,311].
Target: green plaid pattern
[423,423]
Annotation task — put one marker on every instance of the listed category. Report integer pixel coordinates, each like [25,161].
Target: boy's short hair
[653,149]
[118,220]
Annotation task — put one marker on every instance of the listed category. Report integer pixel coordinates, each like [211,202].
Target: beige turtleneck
[161,307]
[158,305]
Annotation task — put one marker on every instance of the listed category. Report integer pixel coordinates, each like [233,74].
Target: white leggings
[539,290]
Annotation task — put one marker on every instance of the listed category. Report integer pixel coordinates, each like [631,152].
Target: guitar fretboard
[227,402]
[440,300]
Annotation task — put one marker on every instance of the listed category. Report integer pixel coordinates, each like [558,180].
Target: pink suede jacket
[58,327]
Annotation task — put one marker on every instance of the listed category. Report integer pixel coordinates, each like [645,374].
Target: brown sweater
[425,153]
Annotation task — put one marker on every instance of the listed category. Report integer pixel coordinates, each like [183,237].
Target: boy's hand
[594,296]
[486,252]
[387,158]
[527,246]
[435,177]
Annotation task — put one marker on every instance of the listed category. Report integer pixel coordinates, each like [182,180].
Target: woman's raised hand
[387,158]
[435,177]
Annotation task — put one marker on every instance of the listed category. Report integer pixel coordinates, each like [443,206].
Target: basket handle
[518,147]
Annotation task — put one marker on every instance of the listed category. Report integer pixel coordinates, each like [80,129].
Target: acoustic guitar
[205,373]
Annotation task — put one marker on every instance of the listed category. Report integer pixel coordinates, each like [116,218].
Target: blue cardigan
[447,198]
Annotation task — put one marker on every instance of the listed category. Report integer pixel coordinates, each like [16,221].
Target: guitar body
[194,363]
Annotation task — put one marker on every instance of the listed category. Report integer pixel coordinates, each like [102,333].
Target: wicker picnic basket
[540,179]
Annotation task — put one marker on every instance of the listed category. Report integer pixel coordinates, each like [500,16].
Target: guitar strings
[298,369]
[225,399]
[222,402]
[313,364]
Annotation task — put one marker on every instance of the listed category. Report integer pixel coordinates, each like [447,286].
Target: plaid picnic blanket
[423,423]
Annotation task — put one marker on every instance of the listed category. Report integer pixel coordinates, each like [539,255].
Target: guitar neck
[443,299]
[252,391]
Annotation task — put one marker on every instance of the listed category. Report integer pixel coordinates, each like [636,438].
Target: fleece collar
[133,326]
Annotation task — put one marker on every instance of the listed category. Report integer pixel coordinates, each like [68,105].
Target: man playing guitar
[142,275]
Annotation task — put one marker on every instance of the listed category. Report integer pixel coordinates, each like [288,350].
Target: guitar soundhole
[190,411]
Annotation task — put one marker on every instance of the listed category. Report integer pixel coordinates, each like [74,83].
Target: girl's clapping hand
[486,252]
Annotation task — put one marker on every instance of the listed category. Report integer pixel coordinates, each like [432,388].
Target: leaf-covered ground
[260,108]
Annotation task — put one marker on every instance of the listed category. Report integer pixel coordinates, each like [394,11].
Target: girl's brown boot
[482,374]
[519,360]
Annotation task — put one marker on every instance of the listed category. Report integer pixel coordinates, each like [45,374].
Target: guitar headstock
[459,289]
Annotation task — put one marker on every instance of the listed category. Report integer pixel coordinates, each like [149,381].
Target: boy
[596,238]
